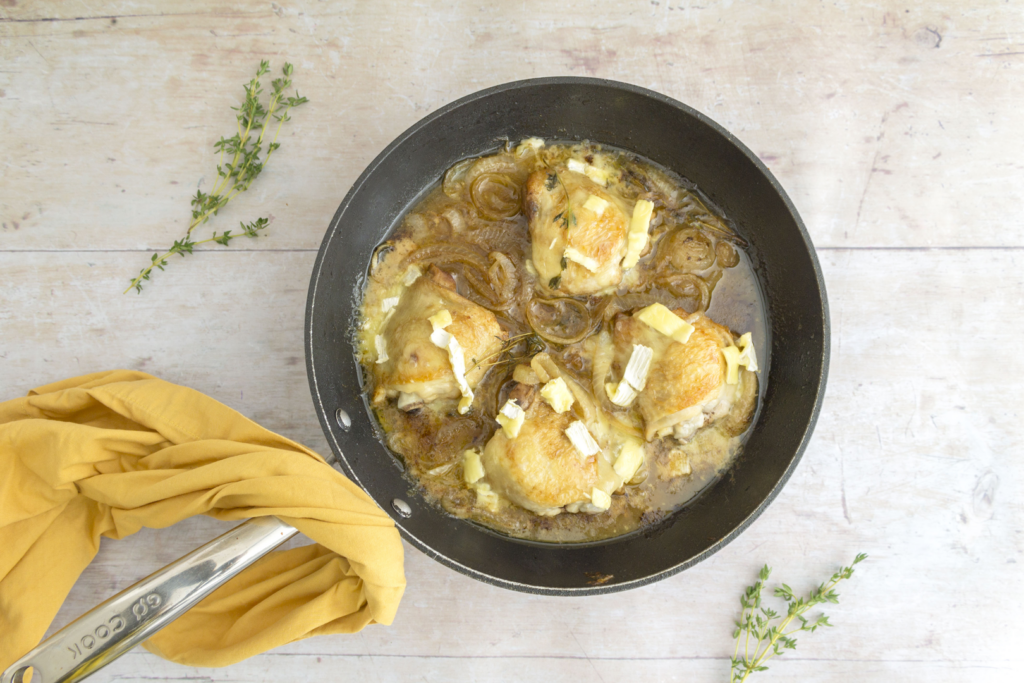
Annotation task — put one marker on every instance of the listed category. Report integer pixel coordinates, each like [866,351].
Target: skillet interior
[664,131]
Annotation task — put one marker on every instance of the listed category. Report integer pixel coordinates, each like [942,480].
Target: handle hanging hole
[401,507]
[344,421]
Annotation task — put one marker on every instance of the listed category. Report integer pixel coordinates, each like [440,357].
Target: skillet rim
[820,380]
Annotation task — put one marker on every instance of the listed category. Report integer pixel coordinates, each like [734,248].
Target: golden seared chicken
[686,384]
[578,245]
[540,469]
[411,365]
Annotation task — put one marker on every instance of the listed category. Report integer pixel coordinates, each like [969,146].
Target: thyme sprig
[755,622]
[234,176]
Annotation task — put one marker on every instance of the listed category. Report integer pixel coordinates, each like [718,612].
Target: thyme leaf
[760,638]
[244,164]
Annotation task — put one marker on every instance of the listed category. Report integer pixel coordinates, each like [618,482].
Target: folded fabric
[109,453]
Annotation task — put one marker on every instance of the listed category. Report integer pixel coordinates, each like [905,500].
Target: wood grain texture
[896,130]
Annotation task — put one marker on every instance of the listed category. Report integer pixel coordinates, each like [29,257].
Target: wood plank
[912,461]
[888,125]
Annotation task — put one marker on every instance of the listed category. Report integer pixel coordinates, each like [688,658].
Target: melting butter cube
[636,238]
[595,204]
[732,361]
[388,304]
[581,439]
[472,466]
[486,497]
[600,499]
[630,458]
[576,166]
[511,417]
[666,322]
[441,319]
[575,256]
[557,395]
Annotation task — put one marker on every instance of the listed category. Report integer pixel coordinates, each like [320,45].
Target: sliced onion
[686,250]
[562,321]
[503,276]
[688,288]
[454,179]
[495,196]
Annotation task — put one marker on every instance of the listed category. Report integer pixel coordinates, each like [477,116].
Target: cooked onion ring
[495,196]
[562,321]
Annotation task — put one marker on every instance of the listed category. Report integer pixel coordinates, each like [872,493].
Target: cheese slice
[748,356]
[636,238]
[581,439]
[382,349]
[511,417]
[638,367]
[572,254]
[441,339]
[666,322]
[620,394]
[600,499]
[556,394]
[411,275]
[595,204]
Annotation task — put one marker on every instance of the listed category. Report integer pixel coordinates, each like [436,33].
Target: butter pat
[666,322]
[576,166]
[532,143]
[595,204]
[557,395]
[600,499]
[575,256]
[636,238]
[630,458]
[472,467]
[382,349]
[388,304]
[511,417]
[594,173]
[743,356]
[581,439]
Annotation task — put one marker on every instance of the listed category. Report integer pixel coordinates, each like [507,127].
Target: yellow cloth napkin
[109,453]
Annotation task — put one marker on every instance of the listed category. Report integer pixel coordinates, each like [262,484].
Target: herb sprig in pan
[755,630]
[234,176]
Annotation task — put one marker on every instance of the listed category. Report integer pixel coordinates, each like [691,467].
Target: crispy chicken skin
[686,386]
[540,469]
[415,366]
[600,237]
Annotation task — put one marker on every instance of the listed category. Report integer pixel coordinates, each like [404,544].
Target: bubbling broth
[561,341]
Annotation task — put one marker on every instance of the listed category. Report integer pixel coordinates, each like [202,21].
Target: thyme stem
[245,165]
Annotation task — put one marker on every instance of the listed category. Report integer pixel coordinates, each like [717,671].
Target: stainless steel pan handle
[103,634]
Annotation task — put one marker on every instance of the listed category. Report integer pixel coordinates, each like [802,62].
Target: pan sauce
[564,304]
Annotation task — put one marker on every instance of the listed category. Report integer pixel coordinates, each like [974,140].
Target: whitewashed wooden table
[897,129]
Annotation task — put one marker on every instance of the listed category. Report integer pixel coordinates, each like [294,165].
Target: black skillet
[671,134]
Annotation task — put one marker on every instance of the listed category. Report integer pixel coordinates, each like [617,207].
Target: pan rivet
[344,421]
[401,507]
